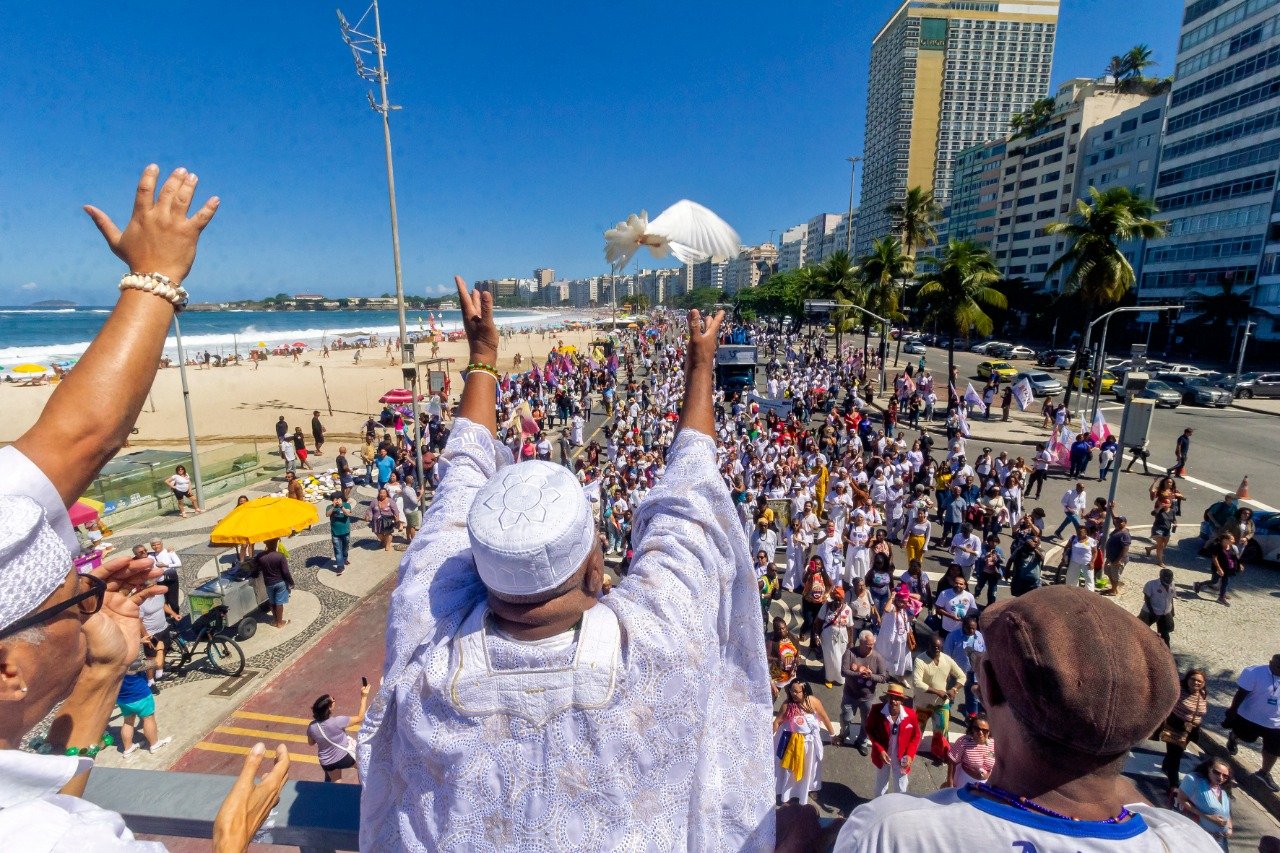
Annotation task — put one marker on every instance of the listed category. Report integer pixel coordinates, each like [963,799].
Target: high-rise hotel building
[945,75]
[1217,184]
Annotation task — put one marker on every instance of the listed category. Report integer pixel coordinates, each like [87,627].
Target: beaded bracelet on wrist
[480,367]
[159,284]
[43,747]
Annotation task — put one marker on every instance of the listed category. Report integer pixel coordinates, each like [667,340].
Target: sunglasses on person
[88,598]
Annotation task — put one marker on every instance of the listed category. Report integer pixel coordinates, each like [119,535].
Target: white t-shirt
[959,821]
[153,620]
[960,603]
[1160,596]
[1262,705]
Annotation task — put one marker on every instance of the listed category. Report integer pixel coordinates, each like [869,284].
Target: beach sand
[242,403]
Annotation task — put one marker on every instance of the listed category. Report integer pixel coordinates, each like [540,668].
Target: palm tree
[1097,269]
[1226,308]
[1036,116]
[836,278]
[1137,60]
[958,291]
[883,273]
[913,217]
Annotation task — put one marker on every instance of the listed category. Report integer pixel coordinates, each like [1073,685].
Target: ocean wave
[41,311]
[249,337]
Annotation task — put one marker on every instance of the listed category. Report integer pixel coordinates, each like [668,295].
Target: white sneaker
[160,744]
[131,750]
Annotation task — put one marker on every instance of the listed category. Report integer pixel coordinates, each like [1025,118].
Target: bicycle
[206,635]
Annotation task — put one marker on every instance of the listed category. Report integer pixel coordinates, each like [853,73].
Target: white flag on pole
[973,398]
[1023,394]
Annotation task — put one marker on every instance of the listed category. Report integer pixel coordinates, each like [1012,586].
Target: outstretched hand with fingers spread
[159,237]
[249,802]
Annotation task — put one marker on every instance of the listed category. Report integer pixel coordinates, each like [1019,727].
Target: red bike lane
[281,709]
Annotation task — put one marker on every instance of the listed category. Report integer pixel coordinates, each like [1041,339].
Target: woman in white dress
[797,555]
[895,626]
[834,619]
[798,769]
[857,555]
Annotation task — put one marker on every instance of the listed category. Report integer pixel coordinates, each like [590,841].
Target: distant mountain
[53,303]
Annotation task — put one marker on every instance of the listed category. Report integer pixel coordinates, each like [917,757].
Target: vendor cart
[242,593]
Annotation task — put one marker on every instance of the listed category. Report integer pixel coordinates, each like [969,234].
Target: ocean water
[46,335]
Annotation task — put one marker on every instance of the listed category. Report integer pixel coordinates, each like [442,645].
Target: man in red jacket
[894,730]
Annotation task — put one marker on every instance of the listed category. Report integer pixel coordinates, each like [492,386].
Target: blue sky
[526,130]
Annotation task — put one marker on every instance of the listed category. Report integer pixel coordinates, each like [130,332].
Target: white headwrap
[33,559]
[530,527]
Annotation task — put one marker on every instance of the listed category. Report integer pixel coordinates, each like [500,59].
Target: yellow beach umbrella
[263,518]
[30,368]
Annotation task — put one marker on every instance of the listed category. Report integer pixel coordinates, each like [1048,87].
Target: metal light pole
[196,480]
[884,331]
[848,225]
[1248,326]
[362,45]
[1105,320]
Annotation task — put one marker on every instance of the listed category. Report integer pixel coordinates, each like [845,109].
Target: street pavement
[1228,444]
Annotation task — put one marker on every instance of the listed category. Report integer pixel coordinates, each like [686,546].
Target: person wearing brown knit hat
[1065,722]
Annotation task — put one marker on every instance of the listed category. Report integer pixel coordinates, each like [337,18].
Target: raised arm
[699,373]
[87,420]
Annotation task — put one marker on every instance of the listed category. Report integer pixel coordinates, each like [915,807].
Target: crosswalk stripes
[239,739]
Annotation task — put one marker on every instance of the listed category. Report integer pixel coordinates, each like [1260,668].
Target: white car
[914,348]
[1020,352]
[1184,369]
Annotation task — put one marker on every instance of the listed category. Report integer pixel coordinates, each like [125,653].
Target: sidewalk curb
[1252,408]
[1214,745]
[940,428]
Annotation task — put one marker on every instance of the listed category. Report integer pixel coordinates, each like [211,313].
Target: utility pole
[848,225]
[196,481]
[363,45]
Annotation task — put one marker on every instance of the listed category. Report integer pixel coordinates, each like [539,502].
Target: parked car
[1019,351]
[980,346]
[1042,384]
[1050,357]
[914,348]
[1197,389]
[1183,369]
[1163,393]
[1084,380]
[998,350]
[1265,544]
[1003,369]
[1251,385]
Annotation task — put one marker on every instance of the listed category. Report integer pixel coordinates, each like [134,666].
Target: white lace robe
[677,757]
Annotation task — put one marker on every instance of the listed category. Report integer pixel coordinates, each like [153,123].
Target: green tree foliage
[1096,267]
[1035,117]
[701,298]
[957,291]
[781,295]
[914,218]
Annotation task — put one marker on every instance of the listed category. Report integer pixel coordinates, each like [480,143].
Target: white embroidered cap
[530,527]
[33,558]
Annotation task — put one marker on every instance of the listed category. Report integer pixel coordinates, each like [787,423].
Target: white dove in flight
[686,229]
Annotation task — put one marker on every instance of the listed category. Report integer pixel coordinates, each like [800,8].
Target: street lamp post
[884,332]
[1105,320]
[196,480]
[363,45]
[848,224]
[1248,326]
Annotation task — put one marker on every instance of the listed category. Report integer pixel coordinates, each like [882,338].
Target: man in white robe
[520,711]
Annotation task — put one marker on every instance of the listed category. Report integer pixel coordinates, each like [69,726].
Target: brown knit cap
[1077,670]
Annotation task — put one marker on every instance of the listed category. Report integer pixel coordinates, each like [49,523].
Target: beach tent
[84,511]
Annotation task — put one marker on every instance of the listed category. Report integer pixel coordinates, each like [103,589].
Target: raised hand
[248,803]
[159,236]
[704,339]
[477,321]
[113,635]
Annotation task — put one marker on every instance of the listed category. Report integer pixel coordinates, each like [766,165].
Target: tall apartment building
[1123,151]
[820,231]
[554,294]
[1216,186]
[946,74]
[791,255]
[975,193]
[583,292]
[752,265]
[543,276]
[709,273]
[1038,179]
